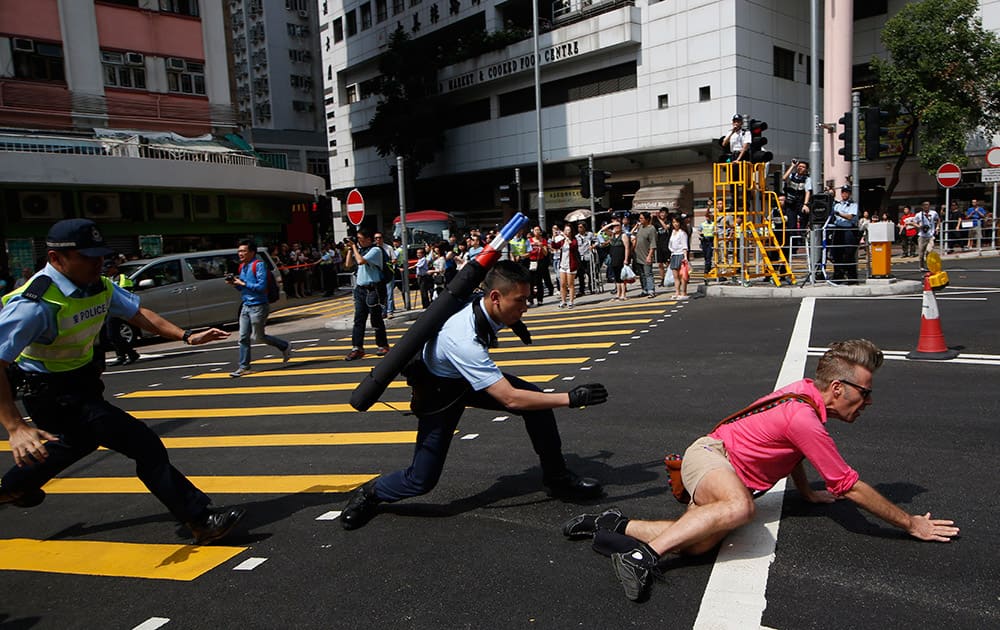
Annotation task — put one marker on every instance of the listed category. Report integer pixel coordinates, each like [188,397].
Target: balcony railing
[132,147]
[568,11]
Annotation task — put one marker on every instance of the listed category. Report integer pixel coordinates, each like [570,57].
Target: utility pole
[403,235]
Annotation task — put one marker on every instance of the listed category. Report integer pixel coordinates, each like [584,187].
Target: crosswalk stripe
[282,439]
[113,559]
[578,314]
[245,412]
[366,367]
[282,389]
[531,348]
[221,484]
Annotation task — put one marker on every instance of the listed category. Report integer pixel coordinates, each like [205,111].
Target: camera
[230,277]
[795,160]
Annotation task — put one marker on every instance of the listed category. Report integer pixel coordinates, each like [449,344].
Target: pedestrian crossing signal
[758,141]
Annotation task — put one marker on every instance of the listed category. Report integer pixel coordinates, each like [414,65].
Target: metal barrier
[115,147]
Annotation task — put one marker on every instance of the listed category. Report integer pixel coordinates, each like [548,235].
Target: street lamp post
[538,114]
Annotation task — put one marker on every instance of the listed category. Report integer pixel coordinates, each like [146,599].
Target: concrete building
[112,110]
[647,87]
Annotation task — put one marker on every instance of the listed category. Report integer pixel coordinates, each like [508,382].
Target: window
[784,63]
[663,101]
[319,167]
[303,106]
[301,82]
[210,267]
[126,70]
[297,5]
[435,14]
[468,113]
[366,16]
[352,23]
[809,71]
[398,6]
[705,93]
[870,8]
[187,80]
[298,55]
[338,30]
[369,87]
[582,86]
[180,7]
[352,93]
[381,14]
[168,272]
[453,7]
[38,61]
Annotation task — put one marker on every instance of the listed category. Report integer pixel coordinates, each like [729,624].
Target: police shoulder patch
[37,288]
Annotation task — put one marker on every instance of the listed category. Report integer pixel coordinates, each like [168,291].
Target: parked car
[190,289]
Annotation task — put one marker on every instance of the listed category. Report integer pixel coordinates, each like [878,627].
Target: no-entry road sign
[355,207]
[993,156]
[949,175]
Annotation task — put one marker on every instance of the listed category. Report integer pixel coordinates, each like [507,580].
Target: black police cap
[79,234]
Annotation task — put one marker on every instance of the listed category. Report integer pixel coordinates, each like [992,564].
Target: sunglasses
[865,392]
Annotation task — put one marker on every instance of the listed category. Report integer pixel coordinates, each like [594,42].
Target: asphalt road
[484,550]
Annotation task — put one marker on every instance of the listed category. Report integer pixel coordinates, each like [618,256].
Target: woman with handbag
[538,256]
[679,240]
[620,250]
[569,261]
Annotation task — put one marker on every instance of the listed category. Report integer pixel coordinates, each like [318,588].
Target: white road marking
[500,418]
[470,436]
[165,367]
[152,623]
[734,597]
[612,352]
[328,516]
[154,384]
[549,390]
[249,564]
[625,345]
[584,369]
[643,331]
[637,337]
[568,378]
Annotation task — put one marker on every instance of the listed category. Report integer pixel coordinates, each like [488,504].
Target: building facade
[646,87]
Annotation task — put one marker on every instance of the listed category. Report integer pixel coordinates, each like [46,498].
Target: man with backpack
[258,288]
[369,293]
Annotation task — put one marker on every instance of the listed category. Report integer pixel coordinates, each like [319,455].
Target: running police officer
[456,371]
[48,329]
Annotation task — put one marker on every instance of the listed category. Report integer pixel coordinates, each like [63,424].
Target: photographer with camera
[251,280]
[369,293]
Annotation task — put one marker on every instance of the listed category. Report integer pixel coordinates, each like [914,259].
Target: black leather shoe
[361,508]
[572,486]
[586,525]
[22,498]
[216,525]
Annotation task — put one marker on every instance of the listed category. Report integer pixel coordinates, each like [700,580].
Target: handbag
[685,270]
[627,274]
[533,265]
[673,461]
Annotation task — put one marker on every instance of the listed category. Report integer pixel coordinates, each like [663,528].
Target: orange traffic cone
[931,343]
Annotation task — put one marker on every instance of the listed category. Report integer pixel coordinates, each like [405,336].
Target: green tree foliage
[408,120]
[944,71]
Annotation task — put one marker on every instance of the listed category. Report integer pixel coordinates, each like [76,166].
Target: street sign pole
[403,236]
[593,210]
[947,220]
[948,175]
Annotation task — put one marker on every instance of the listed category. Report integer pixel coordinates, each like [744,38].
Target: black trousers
[438,404]
[113,333]
[78,414]
[426,286]
[844,251]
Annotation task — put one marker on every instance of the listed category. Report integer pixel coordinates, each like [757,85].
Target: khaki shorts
[703,456]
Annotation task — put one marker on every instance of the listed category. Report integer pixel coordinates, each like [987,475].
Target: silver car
[190,289]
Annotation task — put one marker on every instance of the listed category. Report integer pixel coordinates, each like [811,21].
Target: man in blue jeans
[252,283]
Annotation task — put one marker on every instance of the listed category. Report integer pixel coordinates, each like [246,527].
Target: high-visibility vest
[707,229]
[79,321]
[518,246]
[124,281]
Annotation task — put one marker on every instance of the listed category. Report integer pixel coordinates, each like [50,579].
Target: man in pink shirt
[751,453]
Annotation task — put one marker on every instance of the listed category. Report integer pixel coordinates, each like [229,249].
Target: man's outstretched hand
[935,529]
[589,394]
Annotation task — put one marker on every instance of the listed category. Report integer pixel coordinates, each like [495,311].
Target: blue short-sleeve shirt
[455,352]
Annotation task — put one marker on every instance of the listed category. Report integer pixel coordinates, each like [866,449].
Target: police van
[190,289]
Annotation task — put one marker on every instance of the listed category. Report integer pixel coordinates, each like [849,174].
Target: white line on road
[734,597]
[165,367]
[328,516]
[249,564]
[152,623]
[470,436]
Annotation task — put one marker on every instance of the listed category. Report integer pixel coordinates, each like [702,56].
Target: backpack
[273,291]
[386,269]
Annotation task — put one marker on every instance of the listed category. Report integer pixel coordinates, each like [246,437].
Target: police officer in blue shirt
[48,329]
[844,250]
[369,294]
[455,371]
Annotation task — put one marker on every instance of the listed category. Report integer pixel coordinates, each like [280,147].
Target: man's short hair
[505,276]
[252,246]
[839,362]
[644,215]
[365,232]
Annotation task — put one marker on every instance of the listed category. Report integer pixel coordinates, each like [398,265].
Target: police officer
[706,229]
[456,371]
[844,215]
[47,333]
[737,142]
[113,326]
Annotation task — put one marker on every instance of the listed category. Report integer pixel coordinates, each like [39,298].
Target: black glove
[589,394]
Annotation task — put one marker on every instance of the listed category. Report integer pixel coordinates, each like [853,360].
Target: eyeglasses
[865,392]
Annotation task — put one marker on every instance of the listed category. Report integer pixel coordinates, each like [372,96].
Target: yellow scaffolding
[746,245]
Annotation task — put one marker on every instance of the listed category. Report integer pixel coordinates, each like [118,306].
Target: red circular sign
[949,175]
[355,207]
[993,156]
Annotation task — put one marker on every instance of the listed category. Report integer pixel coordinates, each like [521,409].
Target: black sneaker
[216,525]
[572,486]
[635,571]
[361,508]
[22,498]
[586,525]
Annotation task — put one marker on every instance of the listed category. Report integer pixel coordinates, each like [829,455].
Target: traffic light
[847,120]
[600,185]
[876,126]
[585,182]
[758,141]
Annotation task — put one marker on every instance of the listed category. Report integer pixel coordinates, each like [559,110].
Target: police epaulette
[37,288]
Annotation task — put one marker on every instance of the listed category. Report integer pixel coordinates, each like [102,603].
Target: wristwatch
[186,337]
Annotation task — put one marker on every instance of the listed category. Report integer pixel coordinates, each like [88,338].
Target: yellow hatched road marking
[577,315]
[244,412]
[583,333]
[237,484]
[283,439]
[532,348]
[114,559]
[283,389]
[366,367]
[568,328]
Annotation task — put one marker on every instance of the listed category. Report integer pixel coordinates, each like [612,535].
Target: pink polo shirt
[765,447]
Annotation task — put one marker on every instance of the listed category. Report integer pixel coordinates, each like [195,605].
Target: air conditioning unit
[134,59]
[40,205]
[168,206]
[24,45]
[176,63]
[101,206]
[304,14]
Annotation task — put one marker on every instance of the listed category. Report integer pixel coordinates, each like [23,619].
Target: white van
[190,289]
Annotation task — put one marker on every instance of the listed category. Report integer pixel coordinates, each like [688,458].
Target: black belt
[367,286]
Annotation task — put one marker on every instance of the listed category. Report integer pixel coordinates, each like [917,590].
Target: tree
[408,120]
[943,75]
